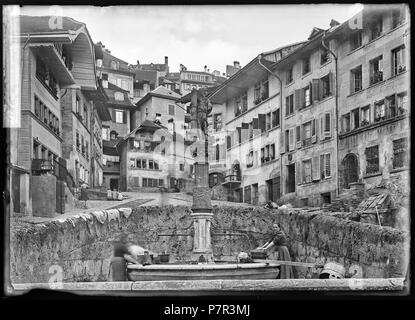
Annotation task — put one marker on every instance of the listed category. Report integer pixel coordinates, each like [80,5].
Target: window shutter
[261,118]
[124,116]
[316,168]
[322,127]
[322,166]
[298,136]
[298,172]
[381,64]
[331,83]
[282,143]
[113,114]
[315,90]
[239,135]
[255,126]
[327,125]
[245,133]
[302,96]
[327,166]
[313,131]
[291,139]
[320,89]
[297,99]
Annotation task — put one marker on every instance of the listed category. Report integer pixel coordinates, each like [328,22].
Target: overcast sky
[199,35]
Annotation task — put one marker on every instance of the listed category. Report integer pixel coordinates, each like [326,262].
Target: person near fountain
[123,253]
[279,241]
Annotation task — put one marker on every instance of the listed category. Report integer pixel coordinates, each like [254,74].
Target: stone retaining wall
[82,247]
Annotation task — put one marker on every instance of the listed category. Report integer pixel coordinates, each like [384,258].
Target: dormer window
[306,66]
[119,96]
[114,65]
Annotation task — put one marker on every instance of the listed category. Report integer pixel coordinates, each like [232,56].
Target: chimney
[166,60]
[236,64]
[205,68]
[138,62]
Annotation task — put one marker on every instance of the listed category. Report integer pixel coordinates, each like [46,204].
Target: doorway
[291,178]
[350,170]
[114,184]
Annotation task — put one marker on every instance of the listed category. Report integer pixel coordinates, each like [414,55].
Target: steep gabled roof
[159,92]
[146,125]
[315,32]
[41,24]
[110,92]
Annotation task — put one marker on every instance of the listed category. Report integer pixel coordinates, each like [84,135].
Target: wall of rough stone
[83,249]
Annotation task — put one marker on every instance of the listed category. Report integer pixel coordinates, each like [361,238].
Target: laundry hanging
[126,212]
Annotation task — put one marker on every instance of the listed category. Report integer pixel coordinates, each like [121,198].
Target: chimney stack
[236,64]
[205,68]
[138,62]
[166,60]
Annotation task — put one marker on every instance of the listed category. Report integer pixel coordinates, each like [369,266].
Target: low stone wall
[81,246]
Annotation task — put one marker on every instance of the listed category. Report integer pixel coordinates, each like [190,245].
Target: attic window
[119,96]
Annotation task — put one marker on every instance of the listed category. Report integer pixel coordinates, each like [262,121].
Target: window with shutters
[398,60]
[372,159]
[325,126]
[307,96]
[356,79]
[400,153]
[119,116]
[289,105]
[262,155]
[287,140]
[376,70]
[276,118]
[298,136]
[291,139]
[268,121]
[326,86]
[145,182]
[325,168]
[306,171]
[306,66]
[306,134]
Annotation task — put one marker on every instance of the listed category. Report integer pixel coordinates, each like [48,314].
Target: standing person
[84,194]
[279,241]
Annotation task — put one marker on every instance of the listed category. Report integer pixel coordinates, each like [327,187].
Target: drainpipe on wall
[280,81]
[337,110]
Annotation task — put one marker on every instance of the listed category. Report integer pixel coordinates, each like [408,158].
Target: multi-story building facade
[53,62]
[308,133]
[251,106]
[374,93]
[146,161]
[115,71]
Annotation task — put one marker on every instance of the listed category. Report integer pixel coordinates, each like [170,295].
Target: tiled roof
[34,24]
[163,91]
[110,92]
[146,124]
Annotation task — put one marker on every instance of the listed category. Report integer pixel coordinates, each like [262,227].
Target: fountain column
[202,207]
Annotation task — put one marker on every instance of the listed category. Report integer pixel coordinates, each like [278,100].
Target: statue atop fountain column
[202,206]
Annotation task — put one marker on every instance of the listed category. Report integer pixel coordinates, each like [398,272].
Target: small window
[119,116]
[306,66]
[119,96]
[289,105]
[324,56]
[307,96]
[400,153]
[380,111]
[356,79]
[402,103]
[365,116]
[346,122]
[372,159]
[356,40]
[398,61]
[376,70]
[145,182]
[355,118]
[289,75]
[307,171]
[171,109]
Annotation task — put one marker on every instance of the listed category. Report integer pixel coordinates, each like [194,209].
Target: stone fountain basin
[209,271]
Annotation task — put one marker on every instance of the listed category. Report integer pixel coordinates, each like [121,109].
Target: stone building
[249,111]
[374,78]
[53,62]
[116,71]
[145,165]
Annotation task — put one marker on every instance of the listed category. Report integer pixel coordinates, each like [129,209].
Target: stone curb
[190,286]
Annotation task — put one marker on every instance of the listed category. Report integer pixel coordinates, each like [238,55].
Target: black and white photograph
[187,150]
